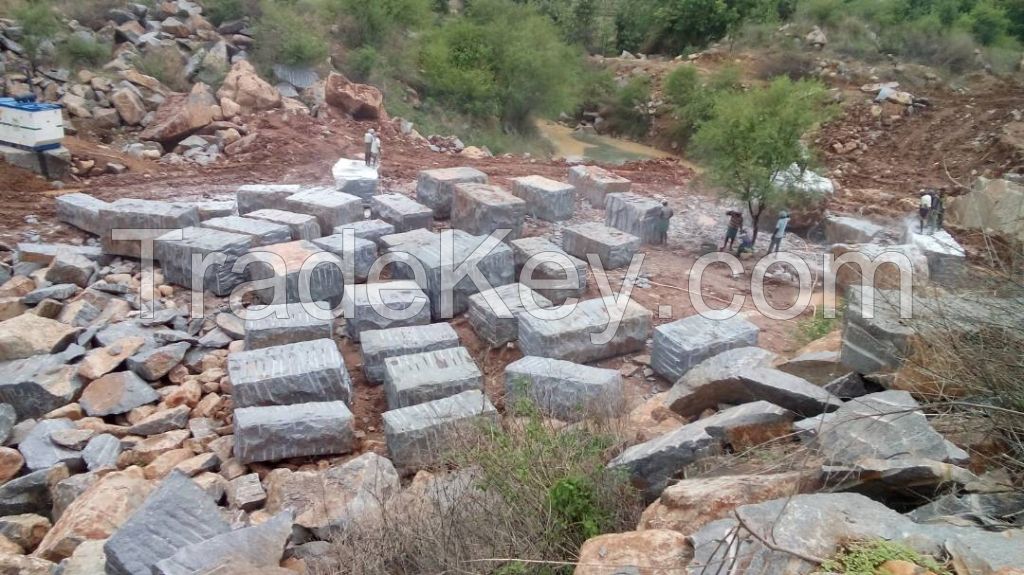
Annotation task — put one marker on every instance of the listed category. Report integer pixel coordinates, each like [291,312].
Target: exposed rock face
[244,87]
[181,114]
[653,551]
[360,101]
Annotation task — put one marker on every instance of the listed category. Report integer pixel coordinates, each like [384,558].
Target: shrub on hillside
[502,60]
[626,114]
[166,65]
[988,23]
[220,11]
[359,63]
[38,23]
[288,33]
[693,100]
[79,51]
[375,23]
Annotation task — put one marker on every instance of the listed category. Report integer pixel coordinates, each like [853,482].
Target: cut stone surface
[356,178]
[401,212]
[213,209]
[246,492]
[303,226]
[254,197]
[720,366]
[303,372]
[552,272]
[817,367]
[847,230]
[381,344]
[427,376]
[101,452]
[38,385]
[564,390]
[947,260]
[285,323]
[278,432]
[418,434]
[255,547]
[69,267]
[262,232]
[494,314]
[417,236]
[436,188]
[481,209]
[635,215]
[747,385]
[594,183]
[42,453]
[284,262]
[28,334]
[116,393]
[384,305]
[443,262]
[81,211]
[43,254]
[335,498]
[615,247]
[545,199]
[152,364]
[576,337]
[682,344]
[372,230]
[177,514]
[149,219]
[330,207]
[355,252]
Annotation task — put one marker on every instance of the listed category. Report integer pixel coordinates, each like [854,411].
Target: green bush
[220,11]
[865,558]
[988,22]
[165,65]
[288,33]
[501,60]
[692,100]
[626,114]
[360,63]
[376,22]
[38,23]
[79,51]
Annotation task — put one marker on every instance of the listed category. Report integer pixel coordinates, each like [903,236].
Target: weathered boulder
[29,334]
[848,230]
[255,547]
[96,514]
[68,267]
[153,364]
[38,384]
[336,498]
[11,463]
[30,493]
[180,115]
[102,452]
[116,393]
[177,514]
[360,101]
[129,106]
[103,360]
[245,87]
[42,453]
[655,551]
[25,530]
[690,396]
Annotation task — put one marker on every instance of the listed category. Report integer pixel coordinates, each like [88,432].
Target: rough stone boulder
[360,101]
[654,551]
[245,87]
[253,548]
[29,334]
[181,114]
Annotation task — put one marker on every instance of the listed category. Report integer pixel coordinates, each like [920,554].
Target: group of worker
[931,210]
[371,154]
[735,228]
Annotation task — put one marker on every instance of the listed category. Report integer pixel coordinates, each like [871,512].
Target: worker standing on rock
[375,151]
[938,211]
[735,223]
[779,233]
[924,209]
[368,146]
[666,215]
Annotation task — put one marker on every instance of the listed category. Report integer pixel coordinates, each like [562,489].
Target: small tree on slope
[753,136]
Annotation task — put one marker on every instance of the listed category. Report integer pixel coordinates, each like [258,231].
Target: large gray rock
[175,515]
[847,230]
[594,183]
[286,323]
[430,375]
[254,197]
[690,398]
[720,366]
[494,314]
[416,236]
[81,211]
[384,305]
[101,452]
[372,230]
[380,344]
[654,463]
[401,212]
[356,178]
[443,261]
[546,199]
[303,372]
[547,269]
[116,393]
[31,493]
[282,265]
[38,385]
[254,547]
[436,188]
[682,344]
[482,209]
[947,260]
[262,232]
[332,500]
[808,524]
[278,432]
[564,390]
[579,337]
[615,248]
[357,255]
[42,453]
[147,218]
[303,226]
[43,254]
[153,364]
[58,292]
[635,215]
[330,207]
[8,417]
[419,435]
[69,267]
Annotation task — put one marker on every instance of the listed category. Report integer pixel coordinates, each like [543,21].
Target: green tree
[988,22]
[376,22]
[285,34]
[753,136]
